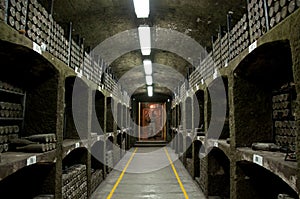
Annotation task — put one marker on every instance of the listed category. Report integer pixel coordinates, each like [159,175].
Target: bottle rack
[75,182]
[12,109]
[284,123]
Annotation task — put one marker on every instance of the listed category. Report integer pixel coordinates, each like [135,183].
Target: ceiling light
[141,8]
[145,39]
[147,66]
[150,91]
[149,80]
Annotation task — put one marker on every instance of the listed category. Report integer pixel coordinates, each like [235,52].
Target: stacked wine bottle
[278,10]
[257,19]
[224,50]
[283,117]
[38,23]
[10,110]
[109,161]
[76,55]
[239,37]
[39,143]
[2,10]
[217,52]
[75,182]
[97,178]
[17,12]
[7,133]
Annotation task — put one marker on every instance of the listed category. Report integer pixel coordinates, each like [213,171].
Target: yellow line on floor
[121,176]
[176,174]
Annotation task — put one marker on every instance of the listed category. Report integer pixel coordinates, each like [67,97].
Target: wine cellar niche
[198,106]
[75,174]
[218,109]
[98,113]
[97,164]
[260,78]
[76,109]
[252,181]
[218,174]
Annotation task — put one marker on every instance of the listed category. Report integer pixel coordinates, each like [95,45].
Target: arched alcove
[198,106]
[188,113]
[259,79]
[253,181]
[218,174]
[76,108]
[98,112]
[97,164]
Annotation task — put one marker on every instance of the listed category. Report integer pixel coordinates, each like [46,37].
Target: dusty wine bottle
[34,148]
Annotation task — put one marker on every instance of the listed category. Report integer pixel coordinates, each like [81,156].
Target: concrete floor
[149,176]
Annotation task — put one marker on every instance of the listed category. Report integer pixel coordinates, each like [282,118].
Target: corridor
[148,174]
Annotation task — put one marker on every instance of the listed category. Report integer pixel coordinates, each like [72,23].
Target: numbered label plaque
[258,159]
[31,160]
[252,46]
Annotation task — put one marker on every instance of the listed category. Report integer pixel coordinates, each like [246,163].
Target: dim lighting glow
[149,80]
[145,39]
[150,91]
[147,66]
[141,8]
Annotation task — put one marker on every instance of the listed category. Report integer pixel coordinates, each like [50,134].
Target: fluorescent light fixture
[145,39]
[141,8]
[149,80]
[147,66]
[150,91]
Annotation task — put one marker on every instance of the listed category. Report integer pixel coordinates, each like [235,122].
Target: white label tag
[31,160]
[216,144]
[77,144]
[78,72]
[215,75]
[79,75]
[68,151]
[98,138]
[37,48]
[258,159]
[226,62]
[252,46]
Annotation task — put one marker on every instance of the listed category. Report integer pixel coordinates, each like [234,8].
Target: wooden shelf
[70,144]
[221,144]
[14,161]
[11,118]
[272,161]
[12,92]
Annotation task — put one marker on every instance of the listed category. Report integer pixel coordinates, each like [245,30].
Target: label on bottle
[31,160]
[252,46]
[258,159]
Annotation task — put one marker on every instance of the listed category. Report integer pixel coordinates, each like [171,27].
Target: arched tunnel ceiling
[97,20]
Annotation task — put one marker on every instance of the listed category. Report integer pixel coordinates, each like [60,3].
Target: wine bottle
[33,148]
